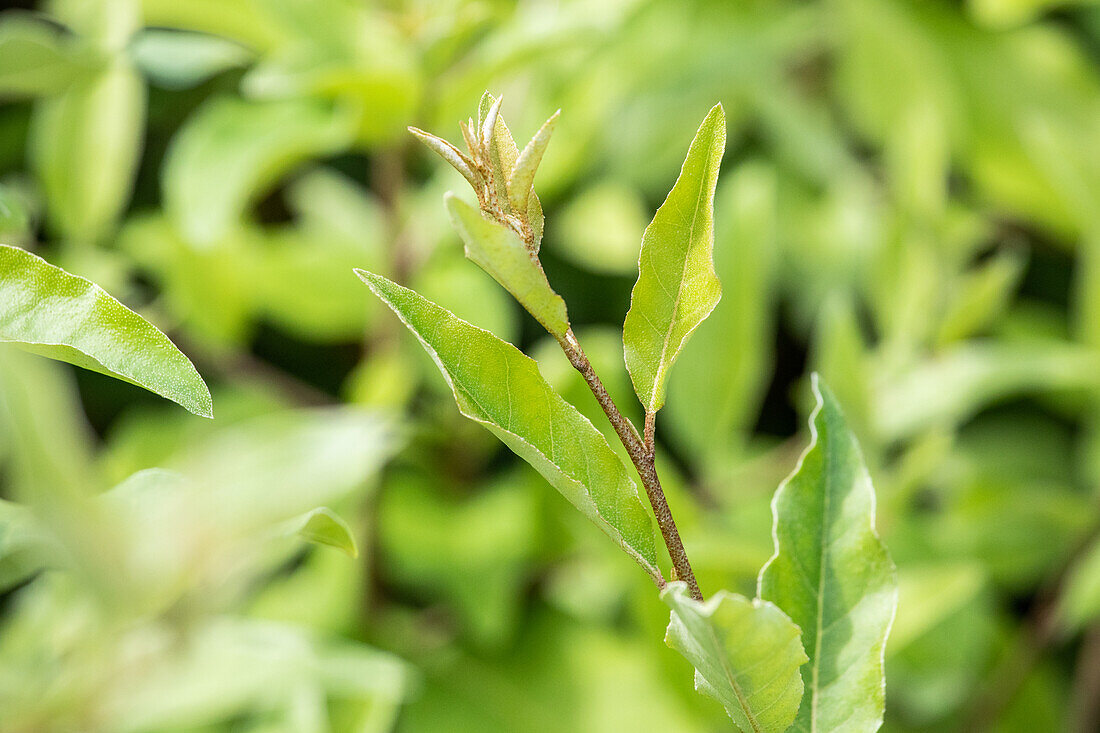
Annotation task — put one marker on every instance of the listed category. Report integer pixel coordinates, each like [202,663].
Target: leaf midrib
[827,462]
[741,698]
[661,366]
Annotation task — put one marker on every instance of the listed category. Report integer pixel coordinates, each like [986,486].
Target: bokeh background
[908,205]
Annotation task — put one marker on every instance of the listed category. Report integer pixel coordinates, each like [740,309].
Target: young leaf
[832,574]
[489,118]
[523,175]
[501,146]
[677,287]
[746,655]
[502,254]
[324,527]
[47,311]
[495,384]
[458,160]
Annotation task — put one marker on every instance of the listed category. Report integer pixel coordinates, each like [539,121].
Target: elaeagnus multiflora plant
[807,653]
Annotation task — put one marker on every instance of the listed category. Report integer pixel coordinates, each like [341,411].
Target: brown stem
[1041,630]
[1085,701]
[642,455]
[650,432]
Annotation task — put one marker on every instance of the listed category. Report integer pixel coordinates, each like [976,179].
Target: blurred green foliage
[907,206]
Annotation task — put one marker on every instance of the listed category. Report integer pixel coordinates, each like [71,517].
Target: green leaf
[501,253]
[232,151]
[180,60]
[249,22]
[85,146]
[16,215]
[455,157]
[981,295]
[504,158]
[522,178]
[832,574]
[723,371]
[677,287]
[746,655]
[34,61]
[496,385]
[25,545]
[107,24]
[1080,604]
[375,72]
[324,527]
[600,229]
[951,386]
[472,553]
[47,311]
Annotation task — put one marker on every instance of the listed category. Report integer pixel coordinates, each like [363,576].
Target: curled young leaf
[49,312]
[458,160]
[677,287]
[496,385]
[833,576]
[489,119]
[522,181]
[746,655]
[501,253]
[323,526]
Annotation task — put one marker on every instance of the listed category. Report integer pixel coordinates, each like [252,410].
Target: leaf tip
[205,407]
[369,278]
[322,526]
[490,123]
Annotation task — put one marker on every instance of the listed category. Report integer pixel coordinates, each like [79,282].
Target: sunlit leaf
[472,553]
[85,148]
[247,21]
[332,59]
[47,311]
[832,574]
[677,287]
[15,216]
[176,60]
[498,386]
[746,655]
[108,24]
[951,386]
[600,229]
[723,371]
[1080,603]
[34,60]
[25,547]
[325,527]
[232,151]
[930,593]
[228,667]
[981,296]
[500,252]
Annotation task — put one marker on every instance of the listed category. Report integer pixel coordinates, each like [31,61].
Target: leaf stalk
[642,454]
